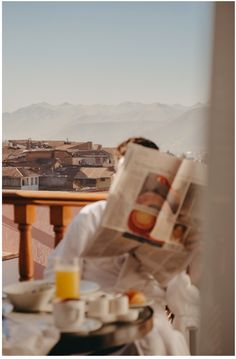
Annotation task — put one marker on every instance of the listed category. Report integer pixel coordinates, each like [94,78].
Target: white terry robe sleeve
[79,235]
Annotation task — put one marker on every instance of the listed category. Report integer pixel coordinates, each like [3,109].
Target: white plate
[87,287]
[131,316]
[89,325]
[148,302]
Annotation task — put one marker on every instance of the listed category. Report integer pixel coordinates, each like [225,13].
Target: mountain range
[175,128]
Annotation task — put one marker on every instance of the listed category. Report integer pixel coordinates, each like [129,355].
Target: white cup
[98,307]
[68,314]
[119,305]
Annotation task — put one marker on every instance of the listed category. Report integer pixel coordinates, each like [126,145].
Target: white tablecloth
[29,334]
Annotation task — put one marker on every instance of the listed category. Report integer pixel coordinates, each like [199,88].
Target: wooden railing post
[60,217]
[24,215]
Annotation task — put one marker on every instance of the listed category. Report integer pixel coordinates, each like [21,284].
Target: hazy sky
[105,52]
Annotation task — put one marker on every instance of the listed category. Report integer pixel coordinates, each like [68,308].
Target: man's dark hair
[122,148]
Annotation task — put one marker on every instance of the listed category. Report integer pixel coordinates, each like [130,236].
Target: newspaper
[153,211]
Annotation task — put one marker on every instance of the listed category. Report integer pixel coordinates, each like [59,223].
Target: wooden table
[107,339]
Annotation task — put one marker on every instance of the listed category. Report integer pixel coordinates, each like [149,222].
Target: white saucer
[130,316]
[87,287]
[89,325]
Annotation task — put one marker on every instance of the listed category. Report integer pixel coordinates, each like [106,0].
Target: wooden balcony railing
[60,204]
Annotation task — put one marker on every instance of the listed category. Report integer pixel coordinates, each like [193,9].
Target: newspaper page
[153,211]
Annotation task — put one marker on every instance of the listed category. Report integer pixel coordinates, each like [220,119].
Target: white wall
[10,271]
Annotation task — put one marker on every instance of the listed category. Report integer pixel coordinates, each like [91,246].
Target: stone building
[98,178]
[92,158]
[19,178]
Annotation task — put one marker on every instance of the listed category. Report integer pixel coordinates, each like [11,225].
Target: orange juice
[67,282]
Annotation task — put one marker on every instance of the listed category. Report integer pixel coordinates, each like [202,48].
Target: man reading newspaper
[143,236]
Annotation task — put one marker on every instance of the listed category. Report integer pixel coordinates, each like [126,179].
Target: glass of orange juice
[67,278]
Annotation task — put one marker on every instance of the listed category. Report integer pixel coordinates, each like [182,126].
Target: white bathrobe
[119,273]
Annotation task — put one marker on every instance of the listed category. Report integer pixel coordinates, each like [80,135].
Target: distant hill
[174,127]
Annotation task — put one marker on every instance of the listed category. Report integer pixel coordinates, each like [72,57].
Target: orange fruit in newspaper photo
[141,222]
[163,180]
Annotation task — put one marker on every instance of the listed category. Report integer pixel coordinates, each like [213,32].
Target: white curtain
[216,334]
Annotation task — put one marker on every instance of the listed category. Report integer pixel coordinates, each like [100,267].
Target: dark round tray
[109,336]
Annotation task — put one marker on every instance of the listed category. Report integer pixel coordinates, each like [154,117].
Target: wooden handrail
[25,203]
[49,198]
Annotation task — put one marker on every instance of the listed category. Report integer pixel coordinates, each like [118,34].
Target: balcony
[60,206]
